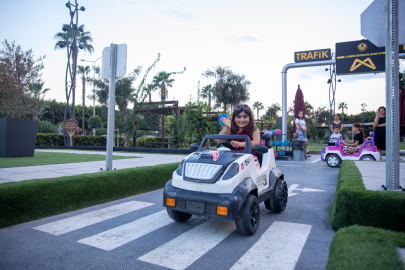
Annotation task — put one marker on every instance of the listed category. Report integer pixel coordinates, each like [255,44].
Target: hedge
[353,204]
[34,199]
[90,140]
[357,248]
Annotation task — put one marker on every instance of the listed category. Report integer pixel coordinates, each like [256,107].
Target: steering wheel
[227,144]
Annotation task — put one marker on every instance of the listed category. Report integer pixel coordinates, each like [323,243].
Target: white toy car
[227,184]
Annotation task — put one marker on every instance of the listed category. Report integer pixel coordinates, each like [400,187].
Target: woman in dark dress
[379,130]
[336,123]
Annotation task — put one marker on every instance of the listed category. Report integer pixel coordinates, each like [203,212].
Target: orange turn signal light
[222,210]
[170,202]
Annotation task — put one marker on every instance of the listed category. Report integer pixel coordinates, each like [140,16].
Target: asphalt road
[136,233]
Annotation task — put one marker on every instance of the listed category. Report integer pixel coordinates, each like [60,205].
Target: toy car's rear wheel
[280,197]
[368,157]
[333,160]
[178,216]
[249,219]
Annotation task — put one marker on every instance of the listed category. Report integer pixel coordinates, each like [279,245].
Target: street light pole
[94,91]
[363,109]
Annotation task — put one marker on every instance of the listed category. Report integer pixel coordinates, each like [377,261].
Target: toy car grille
[201,170]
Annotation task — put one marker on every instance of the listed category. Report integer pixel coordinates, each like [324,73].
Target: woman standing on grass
[336,123]
[351,147]
[379,130]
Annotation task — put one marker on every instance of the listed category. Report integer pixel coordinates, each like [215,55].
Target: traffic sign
[361,56]
[121,62]
[373,22]
[314,55]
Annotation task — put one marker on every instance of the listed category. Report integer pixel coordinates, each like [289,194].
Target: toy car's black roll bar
[247,150]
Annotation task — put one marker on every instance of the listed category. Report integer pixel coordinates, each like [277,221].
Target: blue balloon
[286,143]
[219,118]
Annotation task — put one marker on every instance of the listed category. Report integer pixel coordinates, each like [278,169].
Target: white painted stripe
[126,233]
[77,222]
[291,189]
[278,248]
[316,160]
[182,251]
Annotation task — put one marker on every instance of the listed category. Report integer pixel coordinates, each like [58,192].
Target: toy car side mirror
[194,147]
[268,136]
[260,149]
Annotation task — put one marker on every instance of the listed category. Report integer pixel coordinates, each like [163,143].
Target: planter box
[17,137]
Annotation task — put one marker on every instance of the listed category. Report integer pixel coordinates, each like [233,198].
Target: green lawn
[47,158]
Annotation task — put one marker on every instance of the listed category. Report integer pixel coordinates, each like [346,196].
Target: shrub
[49,139]
[101,131]
[145,142]
[353,204]
[57,140]
[95,122]
[47,127]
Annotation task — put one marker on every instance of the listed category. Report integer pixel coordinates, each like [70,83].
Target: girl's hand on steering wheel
[237,144]
[226,122]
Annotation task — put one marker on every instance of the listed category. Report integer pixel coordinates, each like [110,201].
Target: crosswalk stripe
[185,249]
[126,233]
[77,222]
[278,248]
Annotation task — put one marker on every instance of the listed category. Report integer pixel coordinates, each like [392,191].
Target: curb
[126,149]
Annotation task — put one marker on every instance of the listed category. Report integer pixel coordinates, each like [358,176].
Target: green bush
[358,248]
[57,140]
[353,204]
[145,142]
[101,131]
[95,122]
[34,199]
[49,139]
[47,127]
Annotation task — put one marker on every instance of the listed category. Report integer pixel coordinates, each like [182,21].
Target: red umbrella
[299,105]
[402,111]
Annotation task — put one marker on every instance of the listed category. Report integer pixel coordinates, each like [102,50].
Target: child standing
[335,135]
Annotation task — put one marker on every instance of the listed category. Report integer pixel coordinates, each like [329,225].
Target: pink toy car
[333,155]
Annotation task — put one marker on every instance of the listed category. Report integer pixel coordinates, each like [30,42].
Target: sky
[255,38]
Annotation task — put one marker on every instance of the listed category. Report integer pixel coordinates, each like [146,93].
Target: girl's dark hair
[251,127]
[382,107]
[298,113]
[360,128]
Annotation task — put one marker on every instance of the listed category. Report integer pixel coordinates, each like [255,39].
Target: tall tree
[207,92]
[18,69]
[258,106]
[39,103]
[342,106]
[272,110]
[83,40]
[229,88]
[84,71]
[163,82]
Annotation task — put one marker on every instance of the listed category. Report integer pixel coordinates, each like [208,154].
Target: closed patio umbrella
[299,105]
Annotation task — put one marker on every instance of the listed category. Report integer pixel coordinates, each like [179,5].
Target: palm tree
[342,106]
[83,71]
[82,40]
[258,106]
[36,90]
[162,81]
[149,89]
[207,92]
[273,110]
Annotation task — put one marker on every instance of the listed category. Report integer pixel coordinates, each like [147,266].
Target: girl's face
[301,115]
[355,129]
[382,111]
[242,120]
[336,117]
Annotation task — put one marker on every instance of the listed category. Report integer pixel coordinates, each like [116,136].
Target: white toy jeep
[225,183]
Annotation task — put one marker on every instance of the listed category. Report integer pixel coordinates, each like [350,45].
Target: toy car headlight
[232,171]
[179,170]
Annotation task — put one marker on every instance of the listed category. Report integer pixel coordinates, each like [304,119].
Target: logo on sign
[367,62]
[362,47]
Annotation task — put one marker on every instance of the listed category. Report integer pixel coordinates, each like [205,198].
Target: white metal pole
[111,106]
[392,97]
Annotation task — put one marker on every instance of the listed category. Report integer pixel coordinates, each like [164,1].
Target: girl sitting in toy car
[351,147]
[242,123]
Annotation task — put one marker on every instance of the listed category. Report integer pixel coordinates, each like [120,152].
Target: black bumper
[205,204]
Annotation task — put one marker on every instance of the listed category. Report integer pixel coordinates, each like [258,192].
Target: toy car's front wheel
[178,216]
[368,157]
[278,202]
[249,219]
[333,160]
